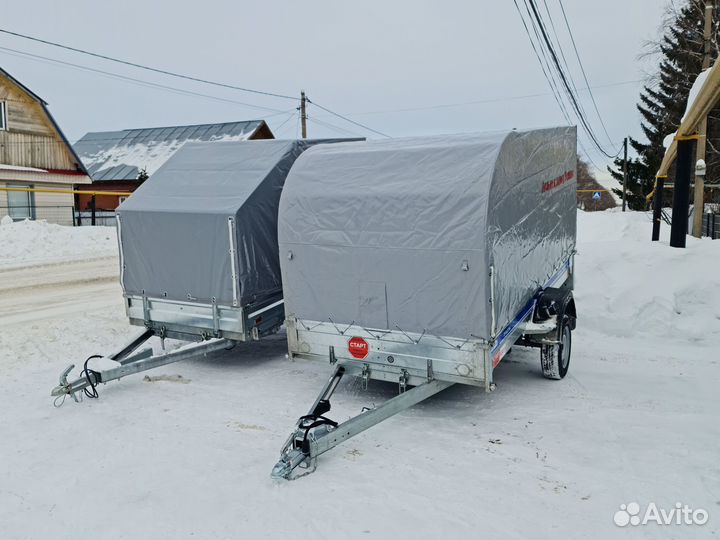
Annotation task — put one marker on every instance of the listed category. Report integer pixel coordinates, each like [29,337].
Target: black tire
[555,359]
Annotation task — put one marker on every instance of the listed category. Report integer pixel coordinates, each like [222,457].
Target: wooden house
[119,161]
[35,158]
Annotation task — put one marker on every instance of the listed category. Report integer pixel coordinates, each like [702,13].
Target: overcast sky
[371,60]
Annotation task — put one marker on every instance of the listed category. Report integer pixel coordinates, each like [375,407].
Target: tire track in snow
[41,292]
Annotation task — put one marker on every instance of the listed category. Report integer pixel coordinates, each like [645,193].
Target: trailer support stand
[315,434]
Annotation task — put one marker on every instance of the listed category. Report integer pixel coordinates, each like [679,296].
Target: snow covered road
[634,421]
[31,293]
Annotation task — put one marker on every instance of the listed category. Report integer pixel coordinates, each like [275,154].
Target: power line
[171,74]
[562,52]
[147,68]
[290,117]
[141,82]
[540,29]
[349,120]
[332,126]
[549,78]
[582,69]
[580,112]
[485,101]
[540,61]
[572,98]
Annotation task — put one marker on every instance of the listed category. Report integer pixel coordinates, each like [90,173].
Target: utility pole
[624,173]
[303,114]
[702,131]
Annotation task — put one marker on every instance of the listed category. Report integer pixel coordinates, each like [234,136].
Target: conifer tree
[664,98]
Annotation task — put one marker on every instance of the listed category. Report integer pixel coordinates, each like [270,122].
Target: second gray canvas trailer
[198,255]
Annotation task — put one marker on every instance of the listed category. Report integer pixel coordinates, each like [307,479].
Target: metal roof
[121,155]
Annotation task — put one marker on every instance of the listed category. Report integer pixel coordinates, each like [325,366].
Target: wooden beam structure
[707,98]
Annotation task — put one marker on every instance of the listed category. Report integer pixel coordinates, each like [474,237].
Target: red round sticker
[358,347]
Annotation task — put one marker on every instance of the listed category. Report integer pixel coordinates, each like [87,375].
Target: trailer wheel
[555,359]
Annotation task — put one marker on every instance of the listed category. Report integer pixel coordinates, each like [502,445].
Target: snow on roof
[668,140]
[694,91]
[692,96]
[121,155]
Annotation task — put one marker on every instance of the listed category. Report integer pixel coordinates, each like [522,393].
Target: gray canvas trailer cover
[421,262]
[420,234]
[198,256]
[198,240]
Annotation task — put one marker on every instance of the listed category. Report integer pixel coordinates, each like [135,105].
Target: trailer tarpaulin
[211,199]
[420,234]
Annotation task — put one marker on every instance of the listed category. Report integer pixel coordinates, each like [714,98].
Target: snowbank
[27,242]
[628,286]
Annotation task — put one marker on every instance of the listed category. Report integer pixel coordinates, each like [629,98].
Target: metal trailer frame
[192,320]
[216,327]
[129,363]
[425,362]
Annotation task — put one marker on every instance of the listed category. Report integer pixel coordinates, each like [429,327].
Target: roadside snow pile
[27,242]
[627,286]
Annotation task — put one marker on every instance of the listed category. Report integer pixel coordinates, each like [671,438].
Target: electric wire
[562,53]
[483,101]
[565,77]
[91,378]
[535,18]
[349,120]
[582,69]
[147,68]
[279,128]
[332,126]
[141,82]
[180,75]
[546,44]
[542,64]
[542,31]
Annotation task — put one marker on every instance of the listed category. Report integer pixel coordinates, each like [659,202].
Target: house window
[21,204]
[3,116]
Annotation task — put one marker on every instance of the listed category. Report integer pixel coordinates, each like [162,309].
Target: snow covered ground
[636,420]
[27,242]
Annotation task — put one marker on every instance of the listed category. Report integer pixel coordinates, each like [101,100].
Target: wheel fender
[558,302]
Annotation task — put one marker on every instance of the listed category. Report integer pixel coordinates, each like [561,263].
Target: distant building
[120,161]
[35,158]
[591,196]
